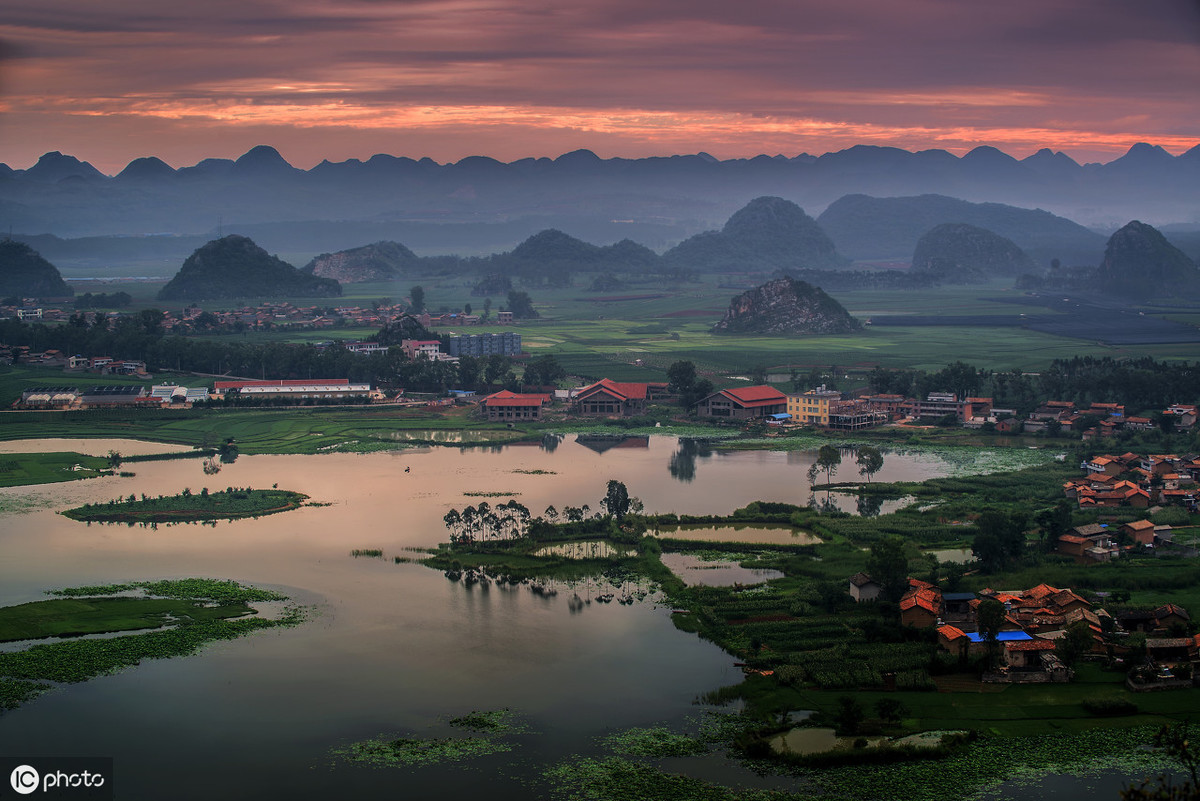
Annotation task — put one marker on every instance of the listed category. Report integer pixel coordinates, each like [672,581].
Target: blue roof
[1004,636]
[780,416]
[958,596]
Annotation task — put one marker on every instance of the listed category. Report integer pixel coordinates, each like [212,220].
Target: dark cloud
[1104,66]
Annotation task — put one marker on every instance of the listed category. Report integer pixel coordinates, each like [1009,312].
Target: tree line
[1138,384]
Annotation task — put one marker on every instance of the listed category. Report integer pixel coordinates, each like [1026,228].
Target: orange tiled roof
[755,396]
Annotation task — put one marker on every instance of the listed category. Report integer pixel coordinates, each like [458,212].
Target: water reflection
[695,571]
[393,646]
[682,466]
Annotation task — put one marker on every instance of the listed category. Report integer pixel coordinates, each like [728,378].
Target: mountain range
[655,201]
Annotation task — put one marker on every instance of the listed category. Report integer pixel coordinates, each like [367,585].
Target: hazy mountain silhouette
[960,253]
[235,267]
[25,274]
[1139,262]
[577,192]
[888,228]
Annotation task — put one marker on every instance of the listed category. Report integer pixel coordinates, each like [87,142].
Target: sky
[337,79]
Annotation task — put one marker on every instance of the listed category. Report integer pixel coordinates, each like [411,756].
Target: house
[421,348]
[1139,531]
[863,588]
[1169,615]
[743,403]
[1027,654]
[921,606]
[608,398]
[812,407]
[1171,650]
[505,405]
[938,404]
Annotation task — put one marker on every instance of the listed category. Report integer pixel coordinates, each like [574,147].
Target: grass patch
[488,732]
[21,469]
[201,611]
[229,504]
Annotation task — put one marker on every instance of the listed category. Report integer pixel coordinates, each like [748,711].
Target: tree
[544,371]
[828,459]
[1075,643]
[616,500]
[849,715]
[890,710]
[681,376]
[888,566]
[1000,538]
[870,461]
[487,309]
[417,296]
[1054,522]
[990,617]
[520,305]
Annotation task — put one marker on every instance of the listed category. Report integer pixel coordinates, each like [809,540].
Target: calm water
[391,648]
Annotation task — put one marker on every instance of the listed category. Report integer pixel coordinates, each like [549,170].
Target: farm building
[505,405]
[743,403]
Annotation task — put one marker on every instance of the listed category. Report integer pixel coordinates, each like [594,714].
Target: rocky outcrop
[962,253]
[380,261]
[786,306]
[25,274]
[1140,263]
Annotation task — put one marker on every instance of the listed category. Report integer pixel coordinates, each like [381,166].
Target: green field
[19,469]
[594,335]
[293,430]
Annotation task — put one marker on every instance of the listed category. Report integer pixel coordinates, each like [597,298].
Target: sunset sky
[336,79]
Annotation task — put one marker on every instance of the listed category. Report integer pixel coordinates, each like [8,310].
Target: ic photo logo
[25,779]
[53,778]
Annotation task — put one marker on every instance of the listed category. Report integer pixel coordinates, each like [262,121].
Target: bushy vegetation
[187,506]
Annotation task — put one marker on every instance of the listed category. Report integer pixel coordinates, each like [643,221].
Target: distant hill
[380,261]
[786,306]
[1140,263]
[888,228]
[552,253]
[25,274]
[657,200]
[961,253]
[235,267]
[769,233]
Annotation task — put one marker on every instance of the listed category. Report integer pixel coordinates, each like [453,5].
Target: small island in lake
[229,504]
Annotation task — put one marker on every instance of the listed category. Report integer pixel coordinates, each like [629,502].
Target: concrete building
[506,343]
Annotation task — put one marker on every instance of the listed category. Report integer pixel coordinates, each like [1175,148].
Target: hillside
[767,234]
[960,253]
[786,306]
[379,261]
[25,274]
[1140,263]
[235,267]
[866,227]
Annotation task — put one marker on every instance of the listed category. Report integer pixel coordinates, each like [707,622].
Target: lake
[391,648]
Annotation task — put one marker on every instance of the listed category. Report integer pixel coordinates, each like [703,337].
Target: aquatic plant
[487,727]
[656,741]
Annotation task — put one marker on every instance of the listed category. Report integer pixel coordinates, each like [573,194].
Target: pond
[696,571]
[749,534]
[391,648]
